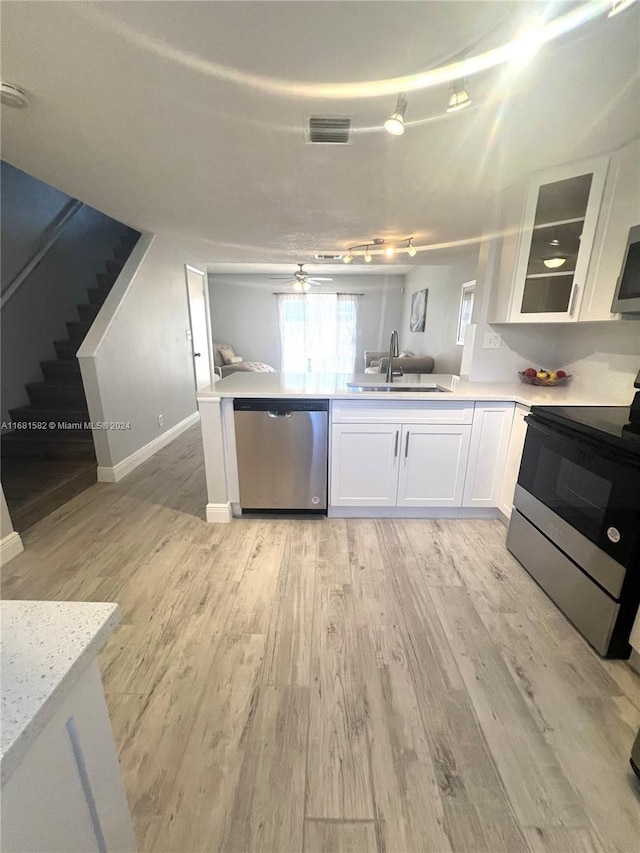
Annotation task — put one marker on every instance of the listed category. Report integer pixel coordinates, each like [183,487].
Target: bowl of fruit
[543,377]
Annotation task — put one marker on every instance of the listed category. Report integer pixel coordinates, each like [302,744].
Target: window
[318,332]
[466,309]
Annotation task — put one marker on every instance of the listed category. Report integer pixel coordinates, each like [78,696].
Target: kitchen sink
[386,387]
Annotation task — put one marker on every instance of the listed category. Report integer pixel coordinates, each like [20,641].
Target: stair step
[97,295]
[47,443]
[78,330]
[88,313]
[114,267]
[105,281]
[63,372]
[52,394]
[66,349]
[40,414]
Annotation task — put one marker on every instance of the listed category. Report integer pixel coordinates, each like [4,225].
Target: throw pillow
[226,353]
[235,359]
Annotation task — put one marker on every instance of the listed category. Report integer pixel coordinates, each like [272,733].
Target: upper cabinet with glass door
[555,242]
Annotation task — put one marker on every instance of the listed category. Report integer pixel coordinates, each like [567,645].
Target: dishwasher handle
[280,414]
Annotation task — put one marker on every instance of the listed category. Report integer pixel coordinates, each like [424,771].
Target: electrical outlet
[492,340]
[160,420]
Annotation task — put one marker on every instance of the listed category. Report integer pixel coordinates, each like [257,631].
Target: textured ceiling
[134,110]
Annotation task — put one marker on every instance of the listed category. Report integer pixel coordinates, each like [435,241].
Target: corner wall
[137,362]
[444,283]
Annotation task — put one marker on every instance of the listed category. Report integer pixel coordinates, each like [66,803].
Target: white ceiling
[130,113]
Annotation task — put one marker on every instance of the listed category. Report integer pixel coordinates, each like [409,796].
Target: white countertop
[334,386]
[46,647]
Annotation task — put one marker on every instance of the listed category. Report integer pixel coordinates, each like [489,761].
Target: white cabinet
[433,464]
[546,254]
[512,462]
[487,454]
[67,793]
[406,454]
[364,464]
[406,465]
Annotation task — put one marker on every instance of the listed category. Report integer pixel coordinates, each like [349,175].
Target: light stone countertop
[334,386]
[46,647]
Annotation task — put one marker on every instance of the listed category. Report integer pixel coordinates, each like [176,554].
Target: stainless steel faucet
[393,353]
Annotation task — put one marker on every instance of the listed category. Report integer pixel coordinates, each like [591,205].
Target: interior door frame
[205,288]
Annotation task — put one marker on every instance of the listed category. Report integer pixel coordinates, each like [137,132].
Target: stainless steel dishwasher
[282,453]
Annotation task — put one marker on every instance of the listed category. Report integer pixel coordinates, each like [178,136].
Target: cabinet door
[560,218]
[364,464]
[512,463]
[432,465]
[487,454]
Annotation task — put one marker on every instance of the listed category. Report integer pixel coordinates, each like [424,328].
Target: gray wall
[443,306]
[35,315]
[245,312]
[143,363]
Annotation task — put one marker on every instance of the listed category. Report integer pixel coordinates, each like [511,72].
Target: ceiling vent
[328,130]
[328,258]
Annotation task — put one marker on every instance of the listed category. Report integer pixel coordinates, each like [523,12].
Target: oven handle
[605,451]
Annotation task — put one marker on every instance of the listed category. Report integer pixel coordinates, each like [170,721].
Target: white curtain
[318,332]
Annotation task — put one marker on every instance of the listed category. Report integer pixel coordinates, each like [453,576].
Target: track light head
[619,6]
[347,258]
[390,251]
[411,249]
[395,123]
[367,256]
[459,97]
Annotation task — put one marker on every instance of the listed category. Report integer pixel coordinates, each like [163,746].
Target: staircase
[51,458]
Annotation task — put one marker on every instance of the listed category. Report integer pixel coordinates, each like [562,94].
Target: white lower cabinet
[364,464]
[433,464]
[487,454]
[412,464]
[512,462]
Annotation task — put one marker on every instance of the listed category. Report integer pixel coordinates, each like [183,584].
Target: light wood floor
[303,686]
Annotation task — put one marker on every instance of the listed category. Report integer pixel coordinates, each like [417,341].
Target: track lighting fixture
[395,123]
[619,6]
[459,97]
[389,250]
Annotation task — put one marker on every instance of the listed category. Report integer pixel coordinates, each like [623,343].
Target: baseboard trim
[219,513]
[10,547]
[116,473]
[411,512]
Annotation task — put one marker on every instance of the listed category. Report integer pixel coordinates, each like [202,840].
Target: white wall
[443,306]
[245,313]
[136,360]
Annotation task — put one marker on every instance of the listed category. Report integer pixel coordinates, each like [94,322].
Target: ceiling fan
[301,280]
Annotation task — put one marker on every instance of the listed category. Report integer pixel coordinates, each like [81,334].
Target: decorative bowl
[533,380]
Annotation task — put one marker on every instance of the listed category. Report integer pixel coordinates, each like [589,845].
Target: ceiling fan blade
[279,277]
[320,278]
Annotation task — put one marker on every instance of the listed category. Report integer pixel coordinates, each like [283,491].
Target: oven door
[594,488]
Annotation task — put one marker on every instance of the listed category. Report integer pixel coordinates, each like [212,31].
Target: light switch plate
[492,340]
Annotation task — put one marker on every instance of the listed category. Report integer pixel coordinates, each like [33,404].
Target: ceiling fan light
[555,262]
[411,250]
[347,258]
[367,256]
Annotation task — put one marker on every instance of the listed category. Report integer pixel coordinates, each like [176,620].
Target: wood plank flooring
[337,686]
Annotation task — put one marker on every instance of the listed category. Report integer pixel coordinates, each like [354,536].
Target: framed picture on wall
[418,311]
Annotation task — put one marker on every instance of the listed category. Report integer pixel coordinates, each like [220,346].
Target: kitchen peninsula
[410,453]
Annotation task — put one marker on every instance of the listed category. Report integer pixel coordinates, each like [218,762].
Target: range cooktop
[609,424]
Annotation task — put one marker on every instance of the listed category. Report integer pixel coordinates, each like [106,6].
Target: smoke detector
[13,96]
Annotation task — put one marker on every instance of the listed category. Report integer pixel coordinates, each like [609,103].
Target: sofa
[225,361]
[376,361]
